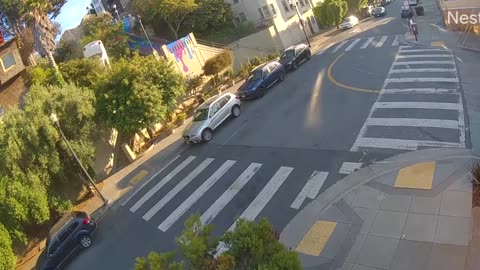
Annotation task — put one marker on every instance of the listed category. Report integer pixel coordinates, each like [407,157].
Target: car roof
[301,45]
[209,101]
[64,221]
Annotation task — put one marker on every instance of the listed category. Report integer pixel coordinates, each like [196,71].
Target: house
[122,6]
[281,14]
[12,86]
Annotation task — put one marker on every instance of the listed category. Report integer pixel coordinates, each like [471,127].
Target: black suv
[294,55]
[74,230]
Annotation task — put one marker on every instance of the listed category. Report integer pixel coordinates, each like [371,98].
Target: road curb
[469,49]
[295,230]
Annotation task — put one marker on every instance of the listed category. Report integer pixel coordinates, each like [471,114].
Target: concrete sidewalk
[412,211]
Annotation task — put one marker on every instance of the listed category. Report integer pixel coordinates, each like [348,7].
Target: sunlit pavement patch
[418,176]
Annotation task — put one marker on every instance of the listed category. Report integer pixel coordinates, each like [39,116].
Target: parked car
[349,22]
[260,79]
[386,2]
[406,12]
[72,231]
[379,12]
[210,115]
[294,56]
[413,2]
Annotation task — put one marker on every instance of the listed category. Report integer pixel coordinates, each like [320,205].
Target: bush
[41,74]
[216,64]
[7,257]
[195,82]
[82,72]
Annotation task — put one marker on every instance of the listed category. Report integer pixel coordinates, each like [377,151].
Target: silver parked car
[210,115]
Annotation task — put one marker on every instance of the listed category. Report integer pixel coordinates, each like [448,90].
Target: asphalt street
[286,148]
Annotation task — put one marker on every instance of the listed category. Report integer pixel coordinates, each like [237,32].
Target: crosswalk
[420,105]
[364,43]
[191,178]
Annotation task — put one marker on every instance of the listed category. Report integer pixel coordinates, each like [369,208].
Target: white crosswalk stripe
[407,92]
[197,186]
[257,205]
[159,205]
[370,42]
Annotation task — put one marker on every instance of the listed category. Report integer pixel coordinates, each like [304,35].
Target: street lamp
[154,52]
[54,119]
[302,25]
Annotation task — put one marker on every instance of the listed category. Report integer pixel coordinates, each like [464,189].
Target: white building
[278,13]
[98,6]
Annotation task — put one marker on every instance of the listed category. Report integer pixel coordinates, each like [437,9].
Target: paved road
[283,151]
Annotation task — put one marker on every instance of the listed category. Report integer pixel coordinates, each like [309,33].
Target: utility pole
[302,25]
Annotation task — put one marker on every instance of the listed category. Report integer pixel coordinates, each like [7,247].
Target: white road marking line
[311,188]
[423,63]
[412,122]
[339,46]
[199,192]
[228,195]
[419,70]
[353,44]
[461,120]
[459,59]
[416,105]
[405,47]
[130,196]
[257,205]
[159,205]
[429,79]
[395,41]
[399,144]
[369,40]
[349,167]
[424,56]
[424,50]
[160,184]
[380,43]
[420,90]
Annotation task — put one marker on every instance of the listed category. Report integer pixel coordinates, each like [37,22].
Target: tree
[138,93]
[103,27]
[36,163]
[356,5]
[83,72]
[210,14]
[173,12]
[7,257]
[251,246]
[218,63]
[331,12]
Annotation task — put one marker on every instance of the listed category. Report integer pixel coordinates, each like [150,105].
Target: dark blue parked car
[260,79]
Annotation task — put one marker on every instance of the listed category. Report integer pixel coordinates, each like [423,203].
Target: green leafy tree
[7,257]
[63,51]
[137,93]
[36,163]
[173,12]
[102,27]
[356,5]
[251,246]
[331,12]
[218,63]
[83,72]
[210,15]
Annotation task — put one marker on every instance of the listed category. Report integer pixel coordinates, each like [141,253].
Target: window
[266,11]
[266,71]
[222,102]
[8,61]
[242,17]
[235,1]
[285,6]
[274,12]
[302,3]
[53,246]
[214,108]
[261,13]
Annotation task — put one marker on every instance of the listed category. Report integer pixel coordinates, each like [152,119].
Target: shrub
[216,64]
[195,82]
[7,257]
[82,72]
[41,74]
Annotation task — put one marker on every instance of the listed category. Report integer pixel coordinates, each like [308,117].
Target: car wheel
[85,241]
[294,65]
[261,93]
[207,135]
[282,76]
[236,111]
[309,55]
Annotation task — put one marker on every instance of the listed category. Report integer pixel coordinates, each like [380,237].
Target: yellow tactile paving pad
[418,176]
[316,238]
[437,43]
[138,177]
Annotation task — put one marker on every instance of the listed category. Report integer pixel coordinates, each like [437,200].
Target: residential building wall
[12,85]
[451,9]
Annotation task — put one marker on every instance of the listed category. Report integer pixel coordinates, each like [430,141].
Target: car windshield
[255,75]
[201,115]
[347,20]
[288,54]
[378,9]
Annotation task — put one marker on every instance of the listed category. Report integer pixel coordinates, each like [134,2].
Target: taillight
[86,220]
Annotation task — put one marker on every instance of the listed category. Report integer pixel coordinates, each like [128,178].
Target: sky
[72,13]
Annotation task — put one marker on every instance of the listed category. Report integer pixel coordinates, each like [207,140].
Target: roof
[63,221]
[8,43]
[295,46]
[260,66]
